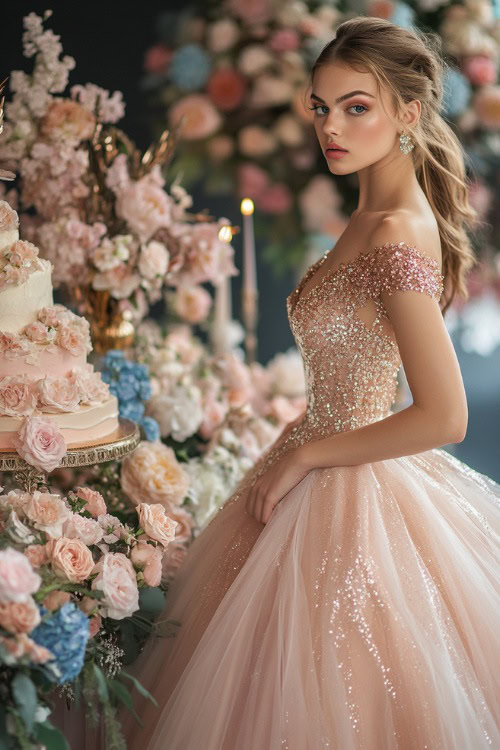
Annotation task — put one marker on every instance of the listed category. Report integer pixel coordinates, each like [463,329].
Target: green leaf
[102,686]
[26,698]
[122,693]
[142,690]
[5,742]
[50,736]
[151,600]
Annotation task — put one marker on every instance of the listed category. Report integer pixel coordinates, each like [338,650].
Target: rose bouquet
[78,589]
[102,214]
[237,71]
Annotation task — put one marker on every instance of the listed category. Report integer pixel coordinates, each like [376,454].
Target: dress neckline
[332,272]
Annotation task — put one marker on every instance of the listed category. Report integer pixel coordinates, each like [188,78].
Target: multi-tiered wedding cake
[43,350]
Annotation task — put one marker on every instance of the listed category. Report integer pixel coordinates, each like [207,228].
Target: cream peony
[116,579]
[18,580]
[152,474]
[40,443]
[70,559]
[179,413]
[155,522]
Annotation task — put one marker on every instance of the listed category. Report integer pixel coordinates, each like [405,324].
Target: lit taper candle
[249,291]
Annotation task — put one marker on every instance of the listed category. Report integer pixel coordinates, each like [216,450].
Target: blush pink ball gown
[366,613]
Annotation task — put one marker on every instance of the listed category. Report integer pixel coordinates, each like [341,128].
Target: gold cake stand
[114,446]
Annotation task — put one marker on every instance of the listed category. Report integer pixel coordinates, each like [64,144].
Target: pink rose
[192,303]
[58,394]
[71,559]
[17,396]
[141,554]
[49,316]
[19,617]
[86,529]
[184,521]
[37,332]
[112,527]
[56,599]
[155,522]
[40,442]
[47,512]
[18,580]
[94,501]
[153,260]
[153,570]
[116,579]
[92,390]
[145,205]
[71,339]
[36,554]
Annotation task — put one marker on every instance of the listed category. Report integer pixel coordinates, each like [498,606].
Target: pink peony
[40,442]
[94,501]
[86,529]
[49,316]
[155,522]
[58,394]
[37,332]
[19,617]
[120,281]
[200,118]
[18,580]
[47,512]
[70,559]
[17,396]
[152,474]
[112,527]
[116,579]
[145,205]
[71,339]
[153,260]
[56,599]
[192,303]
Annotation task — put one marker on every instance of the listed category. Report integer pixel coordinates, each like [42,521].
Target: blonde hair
[409,64]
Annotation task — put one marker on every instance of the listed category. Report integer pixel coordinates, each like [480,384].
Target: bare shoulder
[404,226]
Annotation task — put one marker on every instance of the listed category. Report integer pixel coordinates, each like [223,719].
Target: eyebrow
[343,97]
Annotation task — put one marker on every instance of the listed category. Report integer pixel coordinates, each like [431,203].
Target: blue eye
[316,107]
[358,105]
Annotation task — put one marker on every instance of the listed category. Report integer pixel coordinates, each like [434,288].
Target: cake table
[112,447]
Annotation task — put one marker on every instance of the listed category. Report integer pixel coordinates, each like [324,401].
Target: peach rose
[116,579]
[94,501]
[56,599]
[17,396]
[18,580]
[70,559]
[40,442]
[153,570]
[58,394]
[153,473]
[47,512]
[155,522]
[19,617]
[192,303]
[141,554]
[36,554]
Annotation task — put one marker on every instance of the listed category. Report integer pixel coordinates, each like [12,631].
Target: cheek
[371,126]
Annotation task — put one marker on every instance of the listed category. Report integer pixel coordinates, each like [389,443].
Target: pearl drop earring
[405,143]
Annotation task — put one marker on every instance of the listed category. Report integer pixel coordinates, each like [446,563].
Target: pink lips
[332,153]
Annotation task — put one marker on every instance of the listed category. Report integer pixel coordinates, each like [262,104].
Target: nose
[331,126]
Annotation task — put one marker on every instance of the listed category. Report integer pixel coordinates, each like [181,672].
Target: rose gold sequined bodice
[350,356]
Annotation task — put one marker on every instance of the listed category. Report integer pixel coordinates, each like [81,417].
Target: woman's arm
[438,414]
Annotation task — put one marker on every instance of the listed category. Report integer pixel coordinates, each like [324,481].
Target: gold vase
[110,327]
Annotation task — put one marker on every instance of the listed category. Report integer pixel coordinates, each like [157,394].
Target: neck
[389,183]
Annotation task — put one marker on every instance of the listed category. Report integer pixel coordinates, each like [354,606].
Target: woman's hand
[275,483]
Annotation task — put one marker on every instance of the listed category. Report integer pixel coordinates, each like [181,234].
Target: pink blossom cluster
[21,395]
[55,327]
[17,262]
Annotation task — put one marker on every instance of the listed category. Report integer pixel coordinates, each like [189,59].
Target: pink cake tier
[80,427]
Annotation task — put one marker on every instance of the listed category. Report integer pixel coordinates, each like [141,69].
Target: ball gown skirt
[365,615]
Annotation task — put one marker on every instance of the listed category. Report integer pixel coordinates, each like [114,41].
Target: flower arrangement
[74,580]
[236,72]
[102,214]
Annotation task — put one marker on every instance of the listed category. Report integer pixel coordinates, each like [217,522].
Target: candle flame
[247,207]
[226,233]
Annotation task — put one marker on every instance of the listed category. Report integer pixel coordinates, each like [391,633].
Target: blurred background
[235,70]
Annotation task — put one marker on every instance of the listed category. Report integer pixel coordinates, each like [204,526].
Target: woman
[346,596]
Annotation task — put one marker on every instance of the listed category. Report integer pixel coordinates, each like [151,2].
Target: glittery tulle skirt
[364,614]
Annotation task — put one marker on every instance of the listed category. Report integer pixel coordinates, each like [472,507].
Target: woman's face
[358,122]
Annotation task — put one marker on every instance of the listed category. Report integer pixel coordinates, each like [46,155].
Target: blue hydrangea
[403,16]
[129,382]
[151,428]
[190,67]
[456,93]
[65,634]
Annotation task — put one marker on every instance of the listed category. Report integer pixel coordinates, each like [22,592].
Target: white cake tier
[78,428]
[8,238]
[19,305]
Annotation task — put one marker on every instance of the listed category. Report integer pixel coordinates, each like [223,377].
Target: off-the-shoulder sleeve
[401,267]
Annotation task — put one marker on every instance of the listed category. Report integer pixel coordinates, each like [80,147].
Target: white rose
[153,260]
[180,413]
